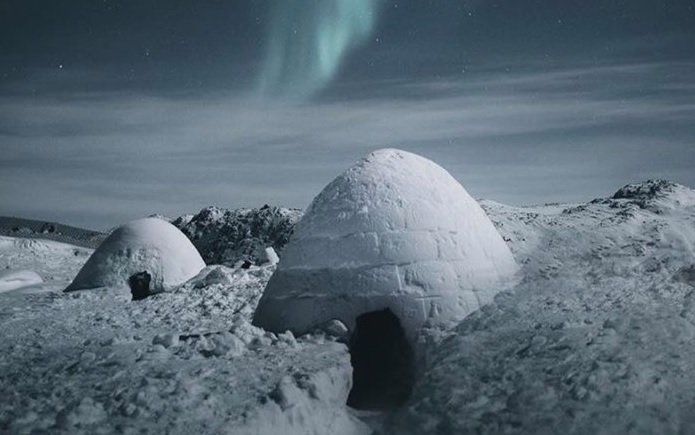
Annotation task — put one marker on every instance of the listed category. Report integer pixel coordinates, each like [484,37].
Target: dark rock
[229,236]
[645,191]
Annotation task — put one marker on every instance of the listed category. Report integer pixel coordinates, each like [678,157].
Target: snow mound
[394,231]
[151,245]
[229,236]
[15,279]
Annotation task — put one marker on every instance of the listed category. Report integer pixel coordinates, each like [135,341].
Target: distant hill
[29,228]
[226,237]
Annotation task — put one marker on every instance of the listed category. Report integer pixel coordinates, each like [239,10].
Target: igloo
[394,232]
[149,245]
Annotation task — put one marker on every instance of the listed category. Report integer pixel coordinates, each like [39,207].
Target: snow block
[394,231]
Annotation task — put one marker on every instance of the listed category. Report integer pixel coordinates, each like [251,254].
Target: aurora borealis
[307,40]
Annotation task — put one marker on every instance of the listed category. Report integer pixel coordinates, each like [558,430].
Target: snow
[151,245]
[57,263]
[393,231]
[598,337]
[181,362]
[15,279]
[269,256]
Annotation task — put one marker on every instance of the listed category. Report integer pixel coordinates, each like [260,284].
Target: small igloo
[395,231]
[152,246]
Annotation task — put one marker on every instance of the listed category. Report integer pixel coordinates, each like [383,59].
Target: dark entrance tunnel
[140,285]
[383,362]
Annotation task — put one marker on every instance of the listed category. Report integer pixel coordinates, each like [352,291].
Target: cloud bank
[567,134]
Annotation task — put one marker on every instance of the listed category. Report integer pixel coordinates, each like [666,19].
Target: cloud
[568,133]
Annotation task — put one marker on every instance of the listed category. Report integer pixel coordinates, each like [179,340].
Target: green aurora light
[308,39]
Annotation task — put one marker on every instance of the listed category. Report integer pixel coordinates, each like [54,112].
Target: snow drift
[15,279]
[394,231]
[152,245]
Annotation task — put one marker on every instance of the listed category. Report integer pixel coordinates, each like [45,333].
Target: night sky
[112,110]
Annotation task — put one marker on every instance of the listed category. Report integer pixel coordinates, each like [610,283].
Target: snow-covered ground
[599,338]
[182,362]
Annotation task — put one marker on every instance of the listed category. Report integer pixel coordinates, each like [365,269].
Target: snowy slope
[598,338]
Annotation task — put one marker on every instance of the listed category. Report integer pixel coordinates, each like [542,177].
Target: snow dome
[11,279]
[394,232]
[149,245]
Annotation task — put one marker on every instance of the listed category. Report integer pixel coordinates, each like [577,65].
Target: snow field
[598,337]
[180,362]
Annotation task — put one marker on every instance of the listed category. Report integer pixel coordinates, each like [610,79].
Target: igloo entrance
[140,285]
[383,362]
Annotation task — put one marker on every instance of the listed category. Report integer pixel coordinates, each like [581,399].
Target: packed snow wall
[394,231]
[149,245]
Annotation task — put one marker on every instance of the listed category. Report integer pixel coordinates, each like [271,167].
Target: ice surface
[152,245]
[393,231]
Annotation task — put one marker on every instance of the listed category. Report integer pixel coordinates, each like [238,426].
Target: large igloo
[395,231]
[149,245]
